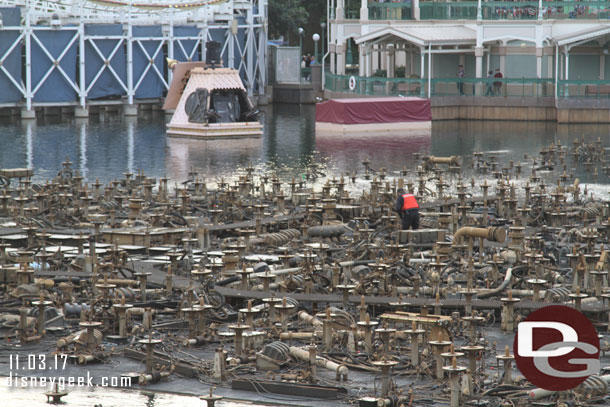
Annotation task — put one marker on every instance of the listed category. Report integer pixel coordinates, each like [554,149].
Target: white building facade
[541,48]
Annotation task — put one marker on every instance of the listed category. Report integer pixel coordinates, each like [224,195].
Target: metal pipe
[67,340]
[303,355]
[297,335]
[493,234]
[454,160]
[317,324]
[502,287]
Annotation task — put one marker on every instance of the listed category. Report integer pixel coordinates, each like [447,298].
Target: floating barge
[212,104]
[374,116]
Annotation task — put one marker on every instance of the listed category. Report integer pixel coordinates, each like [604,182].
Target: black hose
[227,281]
[504,284]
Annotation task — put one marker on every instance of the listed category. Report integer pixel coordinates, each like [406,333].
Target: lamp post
[316,38]
[323,25]
[300,53]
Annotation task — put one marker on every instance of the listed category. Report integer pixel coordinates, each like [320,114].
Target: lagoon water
[104,147]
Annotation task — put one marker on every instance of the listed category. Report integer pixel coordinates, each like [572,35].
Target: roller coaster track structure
[181,29]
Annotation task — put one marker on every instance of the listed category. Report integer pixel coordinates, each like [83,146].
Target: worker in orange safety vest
[408,209]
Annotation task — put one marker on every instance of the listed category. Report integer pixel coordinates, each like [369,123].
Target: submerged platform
[212,104]
[371,116]
[216,130]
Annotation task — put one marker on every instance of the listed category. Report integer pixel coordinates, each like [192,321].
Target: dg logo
[556,348]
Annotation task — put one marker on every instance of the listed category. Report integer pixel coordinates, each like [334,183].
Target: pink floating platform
[384,116]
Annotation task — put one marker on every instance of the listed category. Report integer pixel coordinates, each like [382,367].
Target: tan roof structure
[180,74]
[421,35]
[210,79]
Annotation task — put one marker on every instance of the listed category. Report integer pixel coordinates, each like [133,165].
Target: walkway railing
[305,75]
[455,10]
[390,11]
[593,89]
[490,10]
[496,87]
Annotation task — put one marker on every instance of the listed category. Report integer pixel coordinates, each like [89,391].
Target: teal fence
[305,75]
[490,10]
[496,87]
[594,89]
[455,10]
[390,11]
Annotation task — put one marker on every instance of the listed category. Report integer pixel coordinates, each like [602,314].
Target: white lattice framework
[233,18]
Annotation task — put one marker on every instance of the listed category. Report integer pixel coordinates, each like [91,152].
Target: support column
[539,51]
[130,110]
[478,54]
[369,62]
[170,47]
[422,54]
[81,112]
[540,88]
[362,60]
[333,67]
[231,38]
[556,71]
[250,52]
[390,64]
[411,63]
[340,48]
[391,61]
[561,63]
[477,88]
[28,68]
[488,61]
[340,10]
[429,70]
[81,62]
[28,114]
[567,91]
[364,10]
[129,40]
[502,52]
[602,65]
[416,10]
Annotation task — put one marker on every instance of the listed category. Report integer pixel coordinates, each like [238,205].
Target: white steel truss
[151,58]
[107,59]
[12,48]
[234,19]
[56,61]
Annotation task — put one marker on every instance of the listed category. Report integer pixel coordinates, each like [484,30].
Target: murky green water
[105,147]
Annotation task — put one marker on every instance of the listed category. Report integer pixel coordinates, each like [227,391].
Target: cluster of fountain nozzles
[272,272]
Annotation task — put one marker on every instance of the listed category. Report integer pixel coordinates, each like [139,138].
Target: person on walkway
[460,84]
[498,84]
[490,89]
[408,209]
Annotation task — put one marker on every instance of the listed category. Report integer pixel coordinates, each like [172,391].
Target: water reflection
[209,156]
[106,146]
[104,396]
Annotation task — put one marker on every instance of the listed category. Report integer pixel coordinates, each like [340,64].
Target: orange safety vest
[409,202]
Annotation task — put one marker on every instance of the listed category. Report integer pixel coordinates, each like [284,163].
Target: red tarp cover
[374,110]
